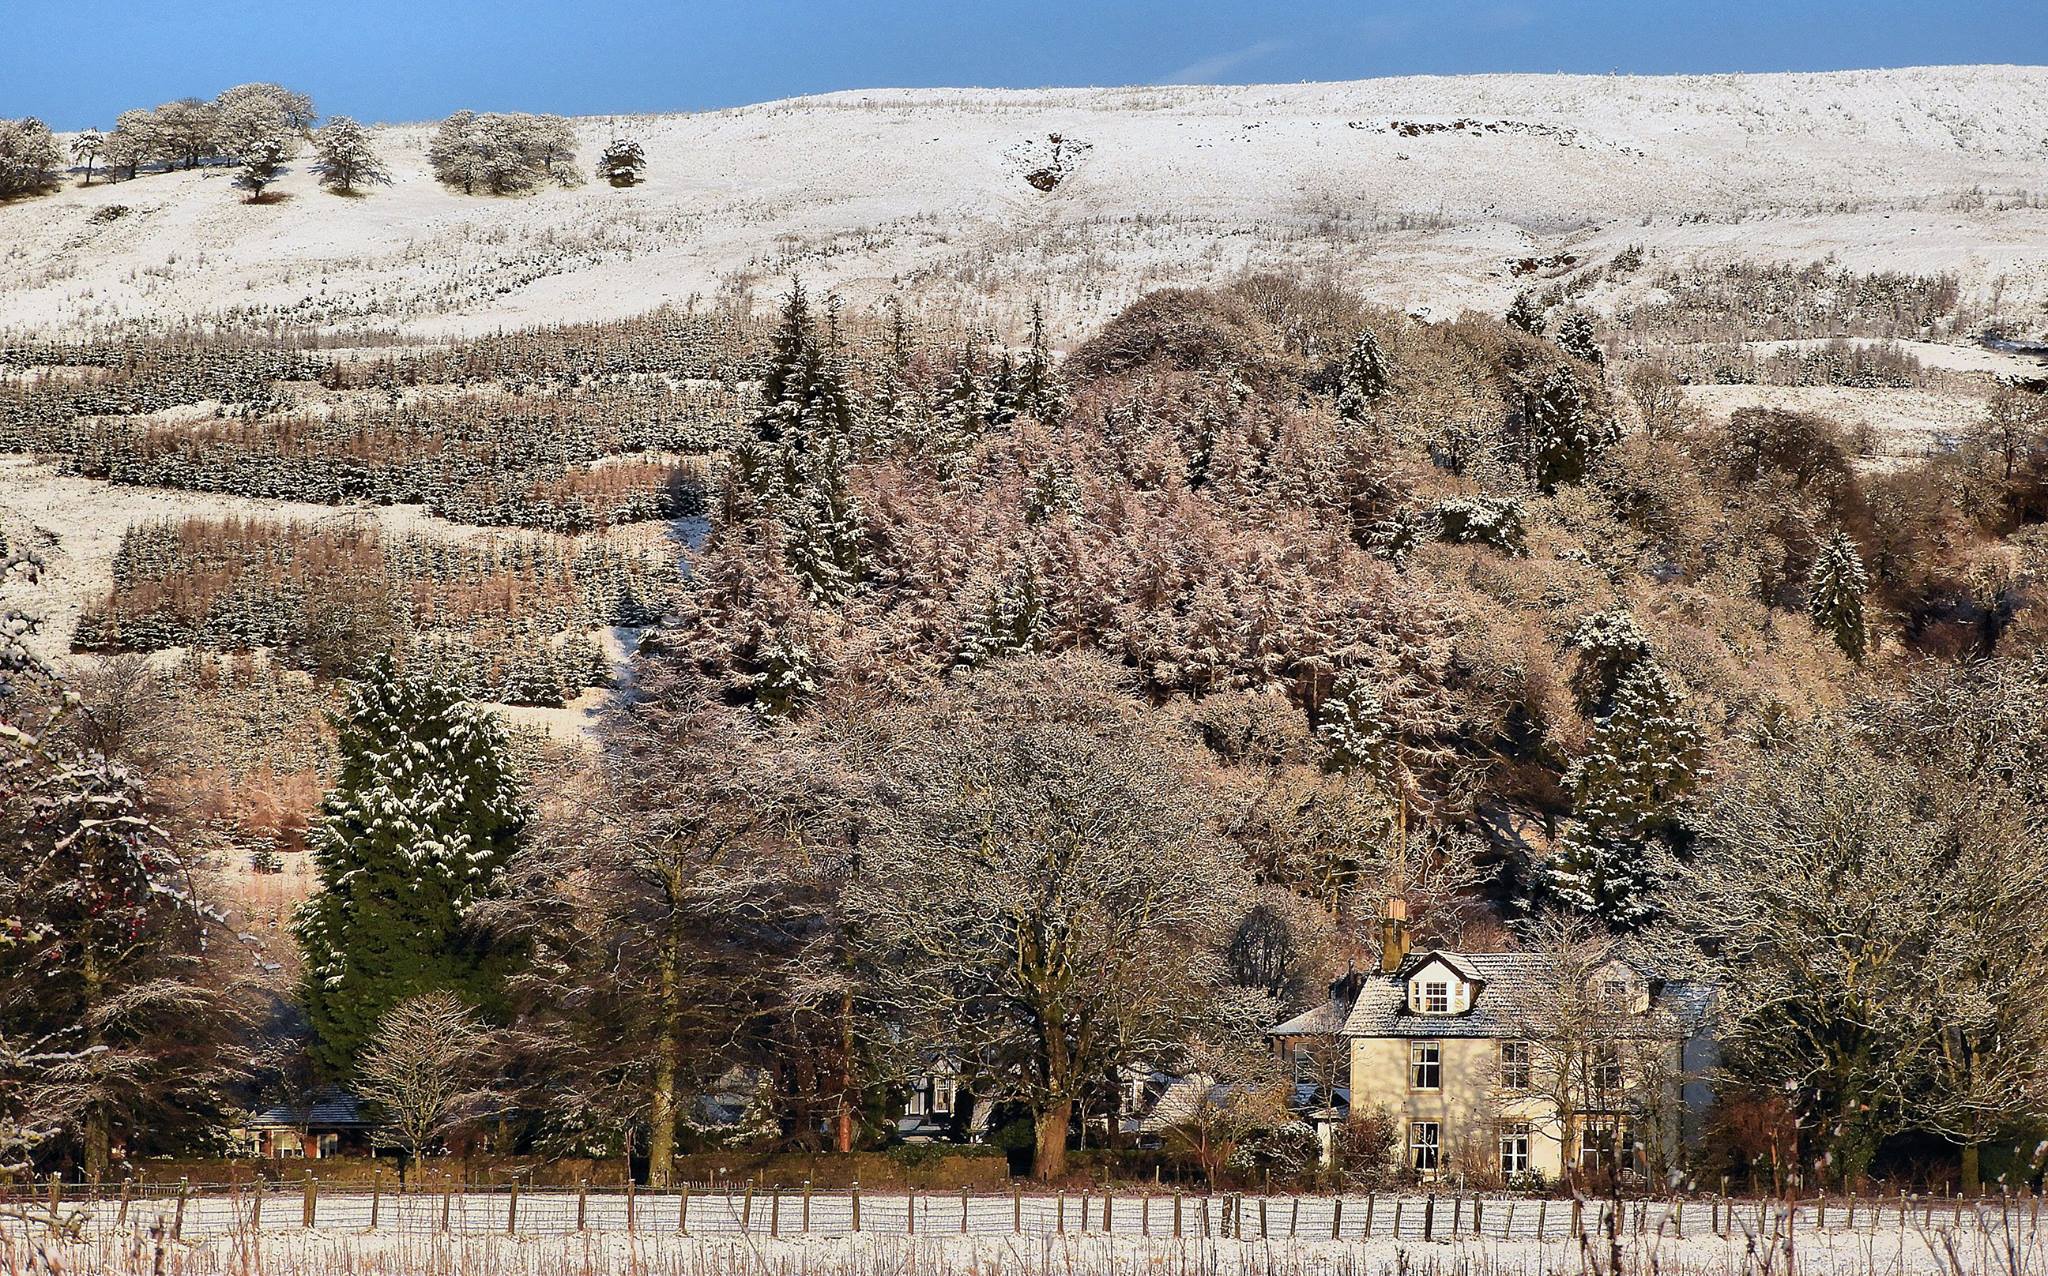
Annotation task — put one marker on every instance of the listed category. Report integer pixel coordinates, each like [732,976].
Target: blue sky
[77,62]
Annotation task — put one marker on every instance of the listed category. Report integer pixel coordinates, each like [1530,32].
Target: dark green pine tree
[1362,380]
[1039,390]
[806,395]
[1645,756]
[424,812]
[1836,598]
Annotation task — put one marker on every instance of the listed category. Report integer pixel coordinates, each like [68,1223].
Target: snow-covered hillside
[1422,189]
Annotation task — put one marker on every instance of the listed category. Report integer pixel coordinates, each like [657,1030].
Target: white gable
[1439,988]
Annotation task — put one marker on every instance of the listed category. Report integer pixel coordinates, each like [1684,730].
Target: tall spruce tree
[424,813]
[1645,756]
[1836,598]
[1039,390]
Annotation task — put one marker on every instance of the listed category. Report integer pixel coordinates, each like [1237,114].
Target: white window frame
[1516,1074]
[1514,1147]
[1425,1058]
[1425,1154]
[1436,997]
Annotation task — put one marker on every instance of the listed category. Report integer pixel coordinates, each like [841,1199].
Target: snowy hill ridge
[1421,189]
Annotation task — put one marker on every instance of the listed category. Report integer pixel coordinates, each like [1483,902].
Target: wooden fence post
[1336,1218]
[1542,1218]
[1478,1215]
[775,1210]
[1107,1207]
[1578,1231]
[1205,1216]
[1016,1209]
[376,1195]
[1371,1200]
[856,1205]
[807,1207]
[910,1215]
[1061,1223]
[1262,1217]
[630,1220]
[1176,1212]
[447,1198]
[1429,1217]
[683,1211]
[1400,1208]
[963,1211]
[56,1199]
[256,1206]
[308,1208]
[746,1206]
[512,1210]
[127,1195]
[1145,1214]
[178,1219]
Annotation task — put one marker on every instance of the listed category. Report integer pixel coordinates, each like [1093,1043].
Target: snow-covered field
[1421,189]
[1003,1235]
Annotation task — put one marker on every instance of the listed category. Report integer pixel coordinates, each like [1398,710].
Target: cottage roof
[332,1108]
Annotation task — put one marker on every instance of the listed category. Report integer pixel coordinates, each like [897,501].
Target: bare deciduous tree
[1043,891]
[420,1071]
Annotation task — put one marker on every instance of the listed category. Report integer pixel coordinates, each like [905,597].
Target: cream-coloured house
[1509,1065]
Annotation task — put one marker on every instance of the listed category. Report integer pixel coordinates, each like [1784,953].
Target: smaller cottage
[333,1123]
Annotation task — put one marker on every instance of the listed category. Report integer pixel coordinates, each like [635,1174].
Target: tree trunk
[661,1108]
[1049,1159]
[98,1145]
[1973,1174]
[842,1123]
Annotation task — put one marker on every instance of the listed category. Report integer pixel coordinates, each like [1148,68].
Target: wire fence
[199,1211]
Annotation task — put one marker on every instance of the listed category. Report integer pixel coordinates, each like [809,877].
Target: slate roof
[1508,993]
[334,1108]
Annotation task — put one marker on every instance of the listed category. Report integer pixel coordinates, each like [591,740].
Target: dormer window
[1436,997]
[1438,987]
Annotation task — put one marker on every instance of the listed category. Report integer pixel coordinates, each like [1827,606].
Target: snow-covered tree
[112,1022]
[87,149]
[1040,392]
[262,163]
[1575,337]
[1563,434]
[1609,645]
[1645,755]
[1526,313]
[344,157]
[419,1069]
[623,163]
[134,142]
[503,154]
[1835,595]
[1362,378]
[250,117]
[1043,894]
[29,157]
[424,812]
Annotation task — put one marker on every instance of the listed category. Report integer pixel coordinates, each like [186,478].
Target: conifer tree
[1610,644]
[1014,620]
[1563,436]
[1525,313]
[1039,391]
[1836,598]
[424,812]
[622,163]
[1362,379]
[1644,757]
[1575,337]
